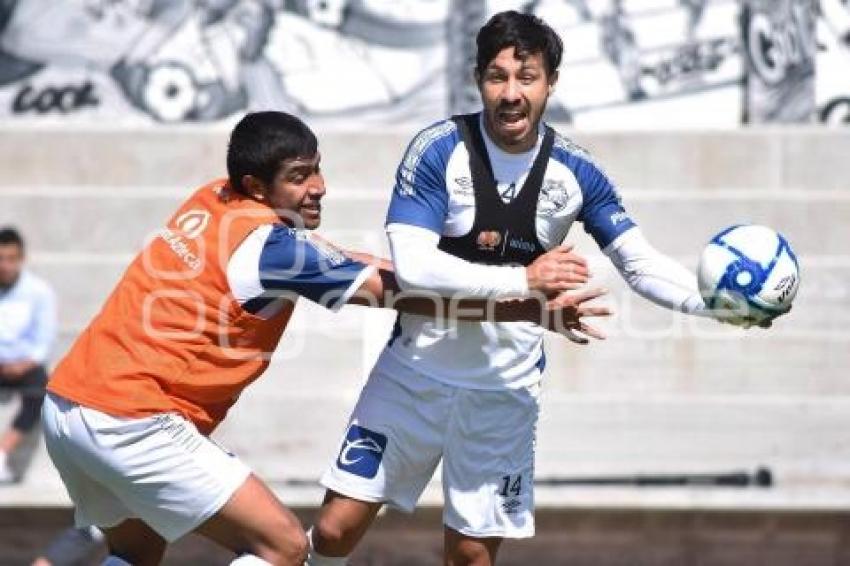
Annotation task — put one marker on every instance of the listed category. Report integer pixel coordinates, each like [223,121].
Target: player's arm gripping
[562,313]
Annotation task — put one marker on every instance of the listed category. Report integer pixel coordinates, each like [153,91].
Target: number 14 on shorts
[511,485]
[510,489]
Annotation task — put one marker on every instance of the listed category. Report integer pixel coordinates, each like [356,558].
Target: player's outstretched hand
[567,312]
[559,269]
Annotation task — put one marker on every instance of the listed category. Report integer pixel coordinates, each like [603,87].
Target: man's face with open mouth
[514,92]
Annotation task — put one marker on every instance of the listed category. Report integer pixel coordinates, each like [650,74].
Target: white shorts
[405,422]
[159,469]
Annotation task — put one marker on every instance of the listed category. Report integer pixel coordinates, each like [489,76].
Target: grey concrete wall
[663,393]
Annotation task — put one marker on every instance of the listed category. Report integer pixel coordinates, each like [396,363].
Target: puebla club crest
[489,240]
[553,197]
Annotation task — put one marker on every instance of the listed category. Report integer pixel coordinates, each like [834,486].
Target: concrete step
[773,158]
[78,220]
[79,223]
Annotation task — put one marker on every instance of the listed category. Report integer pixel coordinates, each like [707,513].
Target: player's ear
[553,80]
[254,187]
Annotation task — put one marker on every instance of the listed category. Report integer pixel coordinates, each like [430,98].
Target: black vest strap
[502,233]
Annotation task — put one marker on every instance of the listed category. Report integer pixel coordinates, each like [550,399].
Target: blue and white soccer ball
[748,274]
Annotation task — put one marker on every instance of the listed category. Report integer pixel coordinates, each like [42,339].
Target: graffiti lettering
[692,59]
[777,42]
[836,112]
[64,99]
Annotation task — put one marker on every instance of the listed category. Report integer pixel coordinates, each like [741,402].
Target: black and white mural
[779,44]
[204,60]
[648,63]
[832,77]
[628,63]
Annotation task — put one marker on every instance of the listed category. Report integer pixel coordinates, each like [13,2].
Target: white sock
[249,560]
[316,559]
[114,561]
[4,459]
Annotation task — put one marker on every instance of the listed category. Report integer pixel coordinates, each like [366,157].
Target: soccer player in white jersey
[477,197]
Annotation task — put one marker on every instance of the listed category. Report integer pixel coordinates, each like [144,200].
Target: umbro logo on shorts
[362,451]
[511,506]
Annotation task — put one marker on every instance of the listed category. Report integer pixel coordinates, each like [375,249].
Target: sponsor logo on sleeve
[362,451]
[619,217]
[404,187]
[331,254]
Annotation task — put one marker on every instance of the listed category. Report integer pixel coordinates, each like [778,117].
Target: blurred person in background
[27,331]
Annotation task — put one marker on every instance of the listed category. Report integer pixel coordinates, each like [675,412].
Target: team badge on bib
[489,240]
[362,451]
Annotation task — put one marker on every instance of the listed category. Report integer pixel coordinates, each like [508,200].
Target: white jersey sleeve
[655,276]
[420,264]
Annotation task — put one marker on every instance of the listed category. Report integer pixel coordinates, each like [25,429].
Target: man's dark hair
[9,235]
[261,141]
[526,33]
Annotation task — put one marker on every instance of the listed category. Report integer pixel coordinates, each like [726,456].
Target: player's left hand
[566,313]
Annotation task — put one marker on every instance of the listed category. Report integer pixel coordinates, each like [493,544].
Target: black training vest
[501,233]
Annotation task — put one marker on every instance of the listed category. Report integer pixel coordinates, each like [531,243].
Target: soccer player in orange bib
[193,321]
